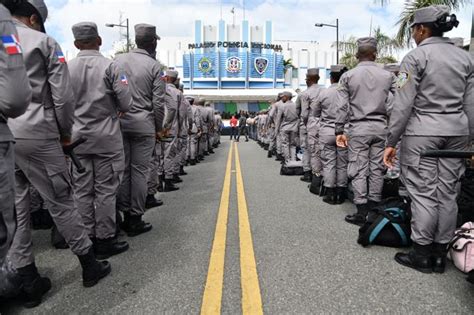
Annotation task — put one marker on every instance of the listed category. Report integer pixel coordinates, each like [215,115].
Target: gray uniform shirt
[287,119]
[362,97]
[14,84]
[101,90]
[327,103]
[218,122]
[314,108]
[435,94]
[51,111]
[196,119]
[188,121]
[148,93]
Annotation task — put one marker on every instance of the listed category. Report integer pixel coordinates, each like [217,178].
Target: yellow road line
[251,297]
[212,299]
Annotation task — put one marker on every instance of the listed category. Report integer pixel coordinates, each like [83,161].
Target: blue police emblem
[261,65]
[234,64]
[204,65]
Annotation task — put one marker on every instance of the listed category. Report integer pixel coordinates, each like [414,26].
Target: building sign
[233,64]
[261,65]
[205,65]
[208,45]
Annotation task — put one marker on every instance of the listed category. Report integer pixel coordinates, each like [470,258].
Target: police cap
[146,32]
[85,31]
[429,14]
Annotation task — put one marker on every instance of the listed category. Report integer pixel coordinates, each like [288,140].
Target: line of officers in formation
[372,119]
[139,128]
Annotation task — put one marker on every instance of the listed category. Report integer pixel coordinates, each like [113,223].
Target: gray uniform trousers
[289,141]
[334,160]
[42,164]
[431,185]
[95,191]
[156,161]
[193,146]
[366,167]
[306,149]
[7,197]
[169,147]
[133,189]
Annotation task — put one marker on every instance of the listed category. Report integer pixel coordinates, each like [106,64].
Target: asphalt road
[306,256]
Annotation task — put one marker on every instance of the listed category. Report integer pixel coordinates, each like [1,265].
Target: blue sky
[293,19]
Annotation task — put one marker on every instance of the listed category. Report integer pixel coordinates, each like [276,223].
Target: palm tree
[386,48]
[288,64]
[406,17]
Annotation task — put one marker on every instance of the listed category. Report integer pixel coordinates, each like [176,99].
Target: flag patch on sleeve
[61,57]
[11,44]
[123,79]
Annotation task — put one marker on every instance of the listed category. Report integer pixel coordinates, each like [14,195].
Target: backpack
[292,168]
[388,224]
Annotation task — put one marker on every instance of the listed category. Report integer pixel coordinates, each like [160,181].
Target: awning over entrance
[241,95]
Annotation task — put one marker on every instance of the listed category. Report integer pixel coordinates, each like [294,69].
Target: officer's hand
[389,156]
[120,114]
[341,141]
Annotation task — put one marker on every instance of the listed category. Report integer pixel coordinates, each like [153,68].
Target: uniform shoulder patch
[60,56]
[402,79]
[123,79]
[11,44]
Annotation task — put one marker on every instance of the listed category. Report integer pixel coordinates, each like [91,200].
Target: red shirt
[233,122]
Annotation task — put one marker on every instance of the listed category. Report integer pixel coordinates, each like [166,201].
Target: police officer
[334,158]
[303,103]
[39,134]
[209,112]
[202,146]
[433,110]
[287,124]
[186,124]
[102,94]
[182,133]
[194,132]
[16,96]
[218,127]
[393,68]
[169,136]
[270,127]
[140,126]
[362,95]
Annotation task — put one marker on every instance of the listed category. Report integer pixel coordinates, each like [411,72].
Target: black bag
[388,224]
[390,188]
[292,168]
[466,198]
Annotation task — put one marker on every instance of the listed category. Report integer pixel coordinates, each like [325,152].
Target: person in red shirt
[233,126]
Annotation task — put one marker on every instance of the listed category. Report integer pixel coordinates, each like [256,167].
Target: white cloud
[292,19]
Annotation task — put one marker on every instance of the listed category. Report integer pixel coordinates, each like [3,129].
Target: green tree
[288,64]
[406,17]
[387,46]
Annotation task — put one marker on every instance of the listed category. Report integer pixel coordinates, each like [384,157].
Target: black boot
[306,177]
[133,225]
[169,186]
[358,218]
[201,158]
[330,197]
[161,183]
[152,202]
[269,154]
[341,195]
[192,162]
[206,153]
[176,179]
[93,270]
[104,248]
[181,171]
[419,258]
[33,285]
[440,251]
[57,240]
[279,157]
[211,151]
[41,220]
[315,186]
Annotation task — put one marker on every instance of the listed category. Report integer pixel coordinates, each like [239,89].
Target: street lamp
[336,26]
[125,26]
